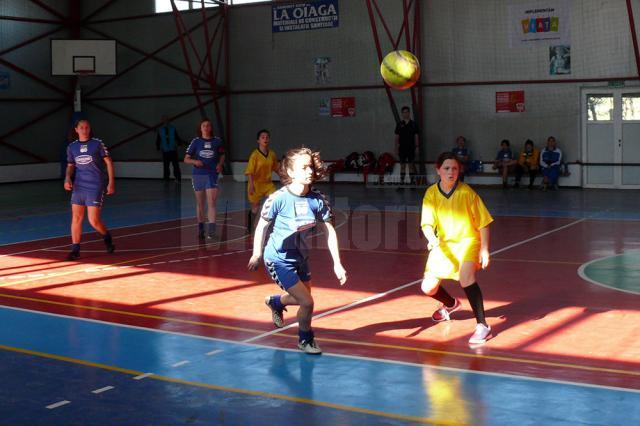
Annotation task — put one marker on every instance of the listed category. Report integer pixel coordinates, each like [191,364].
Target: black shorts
[407,154]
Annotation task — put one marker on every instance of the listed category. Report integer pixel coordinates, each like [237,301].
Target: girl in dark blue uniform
[94,178]
[206,154]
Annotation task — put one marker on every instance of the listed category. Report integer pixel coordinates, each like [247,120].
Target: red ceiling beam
[119,115]
[376,40]
[138,134]
[185,53]
[98,11]
[31,40]
[34,77]
[29,20]
[26,125]
[49,9]
[146,56]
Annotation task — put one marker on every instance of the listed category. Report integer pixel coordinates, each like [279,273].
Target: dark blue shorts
[88,197]
[202,182]
[287,274]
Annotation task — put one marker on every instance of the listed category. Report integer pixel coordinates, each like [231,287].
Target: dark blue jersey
[88,158]
[460,152]
[209,152]
[503,155]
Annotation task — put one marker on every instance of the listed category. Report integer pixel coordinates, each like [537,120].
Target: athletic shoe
[480,335]
[213,238]
[309,347]
[444,313]
[276,314]
[73,255]
[111,248]
[201,235]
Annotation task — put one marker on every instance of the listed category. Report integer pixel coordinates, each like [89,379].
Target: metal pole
[634,37]
[372,20]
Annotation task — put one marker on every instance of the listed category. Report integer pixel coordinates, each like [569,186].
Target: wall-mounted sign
[343,107]
[510,101]
[304,16]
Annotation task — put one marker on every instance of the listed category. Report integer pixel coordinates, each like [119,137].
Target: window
[631,106]
[165,5]
[599,107]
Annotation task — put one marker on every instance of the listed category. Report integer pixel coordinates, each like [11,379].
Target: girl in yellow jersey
[261,163]
[456,224]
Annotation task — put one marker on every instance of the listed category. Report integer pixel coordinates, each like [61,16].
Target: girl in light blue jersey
[293,211]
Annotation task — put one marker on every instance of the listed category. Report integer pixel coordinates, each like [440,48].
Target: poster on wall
[314,15]
[539,21]
[4,80]
[510,101]
[321,69]
[559,60]
[343,107]
[324,108]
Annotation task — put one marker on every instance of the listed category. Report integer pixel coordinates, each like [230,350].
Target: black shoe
[73,255]
[213,238]
[111,248]
[201,235]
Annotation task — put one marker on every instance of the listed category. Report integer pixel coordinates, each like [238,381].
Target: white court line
[582,274]
[58,404]
[143,376]
[92,241]
[180,363]
[111,229]
[403,286]
[362,358]
[213,352]
[104,389]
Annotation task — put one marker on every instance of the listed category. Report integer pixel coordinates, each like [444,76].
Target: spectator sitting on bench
[528,162]
[505,161]
[462,153]
[550,160]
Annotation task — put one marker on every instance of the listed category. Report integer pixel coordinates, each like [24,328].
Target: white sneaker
[480,335]
[310,347]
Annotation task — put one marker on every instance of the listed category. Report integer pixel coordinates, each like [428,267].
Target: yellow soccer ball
[400,69]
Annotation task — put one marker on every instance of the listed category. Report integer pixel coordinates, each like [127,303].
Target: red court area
[547,321]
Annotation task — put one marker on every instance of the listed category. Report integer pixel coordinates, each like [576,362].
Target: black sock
[475,300]
[444,297]
[249,220]
[107,239]
[75,248]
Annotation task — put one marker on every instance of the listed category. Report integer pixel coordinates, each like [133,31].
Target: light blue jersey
[292,219]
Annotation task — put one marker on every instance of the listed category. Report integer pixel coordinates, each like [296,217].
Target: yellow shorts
[262,190]
[444,261]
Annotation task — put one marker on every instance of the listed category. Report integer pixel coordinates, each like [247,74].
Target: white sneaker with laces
[310,347]
[480,335]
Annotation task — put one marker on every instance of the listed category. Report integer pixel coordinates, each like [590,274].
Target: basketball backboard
[81,57]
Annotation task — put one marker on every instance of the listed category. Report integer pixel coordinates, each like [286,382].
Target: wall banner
[510,101]
[343,107]
[539,21]
[304,16]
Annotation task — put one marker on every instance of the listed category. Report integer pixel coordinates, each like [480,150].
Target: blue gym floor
[63,369]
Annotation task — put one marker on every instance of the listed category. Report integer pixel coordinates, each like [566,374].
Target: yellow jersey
[261,166]
[456,218]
